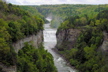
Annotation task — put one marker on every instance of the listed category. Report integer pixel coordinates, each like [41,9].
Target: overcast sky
[40,2]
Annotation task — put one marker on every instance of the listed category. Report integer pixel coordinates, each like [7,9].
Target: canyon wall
[36,40]
[104,45]
[67,38]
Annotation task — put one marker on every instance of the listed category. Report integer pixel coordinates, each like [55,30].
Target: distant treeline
[60,12]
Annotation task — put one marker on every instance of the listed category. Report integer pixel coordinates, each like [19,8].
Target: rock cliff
[35,39]
[67,38]
[104,45]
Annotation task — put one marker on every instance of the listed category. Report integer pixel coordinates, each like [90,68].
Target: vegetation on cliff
[15,24]
[31,59]
[86,54]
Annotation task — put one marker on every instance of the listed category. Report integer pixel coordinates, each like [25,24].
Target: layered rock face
[67,38]
[35,39]
[104,45]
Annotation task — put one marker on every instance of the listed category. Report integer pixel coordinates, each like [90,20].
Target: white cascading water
[49,43]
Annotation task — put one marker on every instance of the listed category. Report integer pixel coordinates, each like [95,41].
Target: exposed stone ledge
[68,36]
[36,39]
[104,45]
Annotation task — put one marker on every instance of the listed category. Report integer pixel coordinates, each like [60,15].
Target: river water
[49,43]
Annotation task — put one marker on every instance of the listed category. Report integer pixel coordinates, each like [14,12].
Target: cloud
[62,0]
[39,2]
[14,2]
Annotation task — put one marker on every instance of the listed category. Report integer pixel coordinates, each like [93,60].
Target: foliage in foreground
[15,24]
[31,59]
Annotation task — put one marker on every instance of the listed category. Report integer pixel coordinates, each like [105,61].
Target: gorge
[49,43]
[72,38]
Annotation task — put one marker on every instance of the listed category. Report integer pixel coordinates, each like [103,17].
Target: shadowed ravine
[49,43]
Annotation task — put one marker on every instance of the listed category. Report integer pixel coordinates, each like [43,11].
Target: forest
[31,59]
[92,21]
[15,24]
[87,55]
[61,12]
[18,22]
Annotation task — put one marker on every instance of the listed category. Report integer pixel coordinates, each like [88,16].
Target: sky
[41,2]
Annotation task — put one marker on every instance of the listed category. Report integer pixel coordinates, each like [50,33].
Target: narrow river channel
[49,43]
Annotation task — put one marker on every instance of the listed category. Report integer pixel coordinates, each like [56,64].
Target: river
[49,43]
